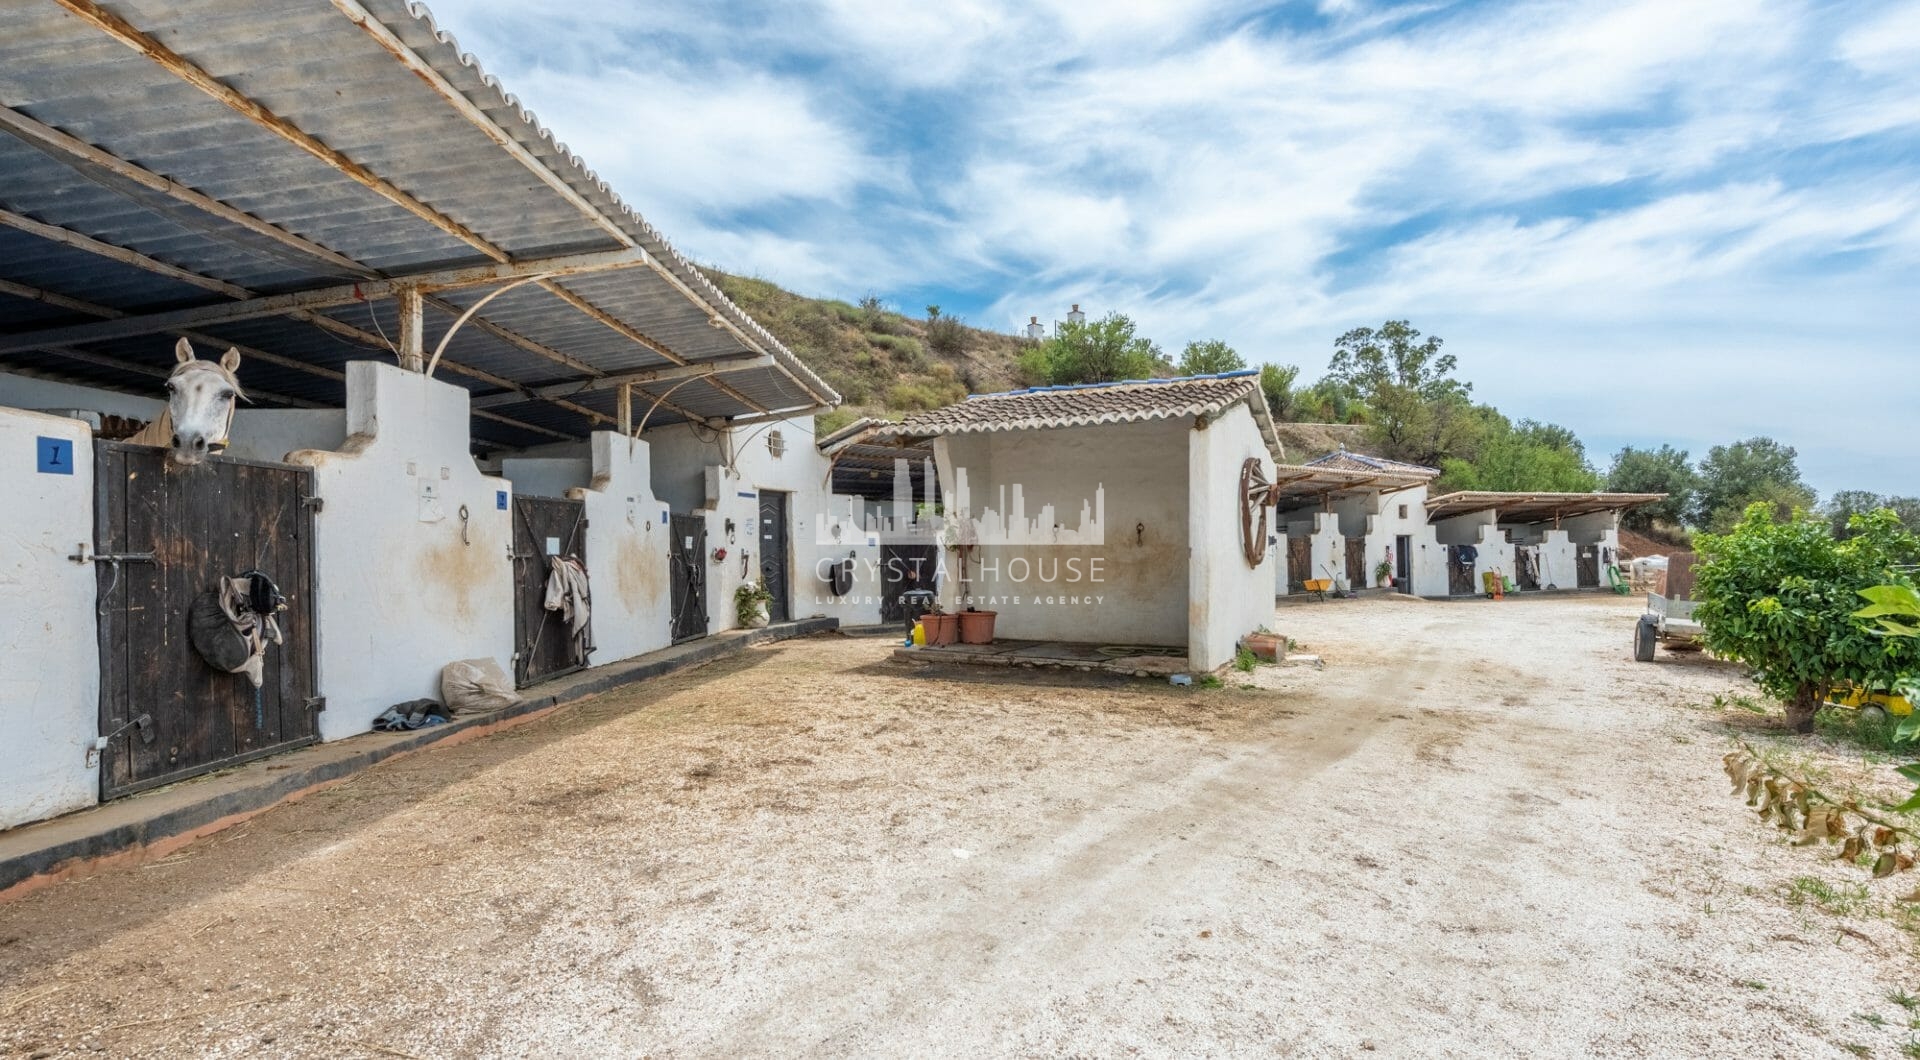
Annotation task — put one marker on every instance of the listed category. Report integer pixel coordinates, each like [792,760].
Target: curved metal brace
[660,400]
[434,361]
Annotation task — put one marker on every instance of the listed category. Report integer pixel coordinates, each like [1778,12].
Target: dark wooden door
[1403,563]
[1526,567]
[902,568]
[1357,562]
[687,572]
[177,532]
[543,527]
[1299,563]
[773,555]
[1586,567]
[1459,572]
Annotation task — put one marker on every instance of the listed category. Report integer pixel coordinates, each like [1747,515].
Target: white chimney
[1076,316]
[1034,330]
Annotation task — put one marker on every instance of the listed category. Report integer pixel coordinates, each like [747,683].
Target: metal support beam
[413,329]
[216,342]
[623,405]
[104,361]
[69,238]
[322,298]
[622,380]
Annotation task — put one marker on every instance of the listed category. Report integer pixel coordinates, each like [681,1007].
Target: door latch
[143,723]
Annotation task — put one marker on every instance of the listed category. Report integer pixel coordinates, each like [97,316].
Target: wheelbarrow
[1318,586]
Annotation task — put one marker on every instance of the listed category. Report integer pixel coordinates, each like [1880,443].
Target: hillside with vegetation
[882,362]
[1387,390]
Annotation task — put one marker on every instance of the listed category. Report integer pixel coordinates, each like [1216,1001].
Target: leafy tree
[1419,411]
[1780,596]
[1524,456]
[1100,351]
[1844,505]
[1330,401]
[1754,470]
[1276,382]
[1663,470]
[1209,357]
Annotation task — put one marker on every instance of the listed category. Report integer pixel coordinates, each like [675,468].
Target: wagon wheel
[1253,511]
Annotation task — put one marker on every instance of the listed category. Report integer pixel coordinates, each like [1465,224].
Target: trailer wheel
[1645,633]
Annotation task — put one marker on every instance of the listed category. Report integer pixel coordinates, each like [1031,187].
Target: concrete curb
[153,824]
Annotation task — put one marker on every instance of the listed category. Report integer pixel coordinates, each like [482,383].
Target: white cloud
[1663,182]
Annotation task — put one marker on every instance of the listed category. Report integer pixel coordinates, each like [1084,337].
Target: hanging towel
[567,593]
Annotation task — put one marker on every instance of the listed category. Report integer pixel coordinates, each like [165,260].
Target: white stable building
[1130,514]
[463,355]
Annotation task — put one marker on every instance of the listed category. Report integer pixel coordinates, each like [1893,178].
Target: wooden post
[624,407]
[413,341]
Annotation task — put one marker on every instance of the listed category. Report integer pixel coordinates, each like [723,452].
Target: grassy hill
[882,362]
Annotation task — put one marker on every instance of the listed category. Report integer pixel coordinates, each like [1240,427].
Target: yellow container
[1857,697]
[919,635]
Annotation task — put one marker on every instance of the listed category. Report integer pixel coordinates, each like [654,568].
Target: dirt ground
[1480,830]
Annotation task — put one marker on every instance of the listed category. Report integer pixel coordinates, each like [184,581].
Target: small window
[776,444]
[1403,511]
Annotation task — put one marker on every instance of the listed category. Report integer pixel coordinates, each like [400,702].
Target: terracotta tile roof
[1132,401]
[1351,461]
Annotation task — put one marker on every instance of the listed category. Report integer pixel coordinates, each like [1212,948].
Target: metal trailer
[1666,620]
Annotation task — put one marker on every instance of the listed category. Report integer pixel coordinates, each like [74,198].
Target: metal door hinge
[84,556]
[317,704]
[314,503]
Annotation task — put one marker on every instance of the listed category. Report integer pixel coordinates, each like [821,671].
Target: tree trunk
[1802,708]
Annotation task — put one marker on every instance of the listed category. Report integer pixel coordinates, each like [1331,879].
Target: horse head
[200,403]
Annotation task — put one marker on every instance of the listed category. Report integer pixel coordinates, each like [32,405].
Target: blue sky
[1684,222]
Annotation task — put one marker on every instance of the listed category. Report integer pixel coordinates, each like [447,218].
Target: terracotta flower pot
[976,627]
[1267,647]
[942,630]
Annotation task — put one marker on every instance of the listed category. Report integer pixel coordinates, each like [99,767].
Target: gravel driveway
[1481,830]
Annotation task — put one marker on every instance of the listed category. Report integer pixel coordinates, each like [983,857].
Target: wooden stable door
[687,574]
[1586,567]
[543,527]
[1357,562]
[1299,563]
[773,555]
[163,536]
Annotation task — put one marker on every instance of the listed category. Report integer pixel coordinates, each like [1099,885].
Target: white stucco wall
[399,592]
[743,465]
[1130,590]
[270,434]
[49,651]
[548,476]
[1328,551]
[26,392]
[1228,598]
[627,545]
[1386,528]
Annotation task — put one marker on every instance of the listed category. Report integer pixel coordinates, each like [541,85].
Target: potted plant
[750,602]
[1383,574]
[943,627]
[976,627]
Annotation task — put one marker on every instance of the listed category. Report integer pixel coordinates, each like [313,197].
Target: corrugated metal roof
[1352,461]
[155,138]
[1130,401]
[1512,507]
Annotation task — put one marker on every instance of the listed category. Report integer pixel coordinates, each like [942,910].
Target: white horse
[200,402]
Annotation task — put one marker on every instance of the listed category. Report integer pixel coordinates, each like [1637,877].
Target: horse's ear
[230,360]
[183,351]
